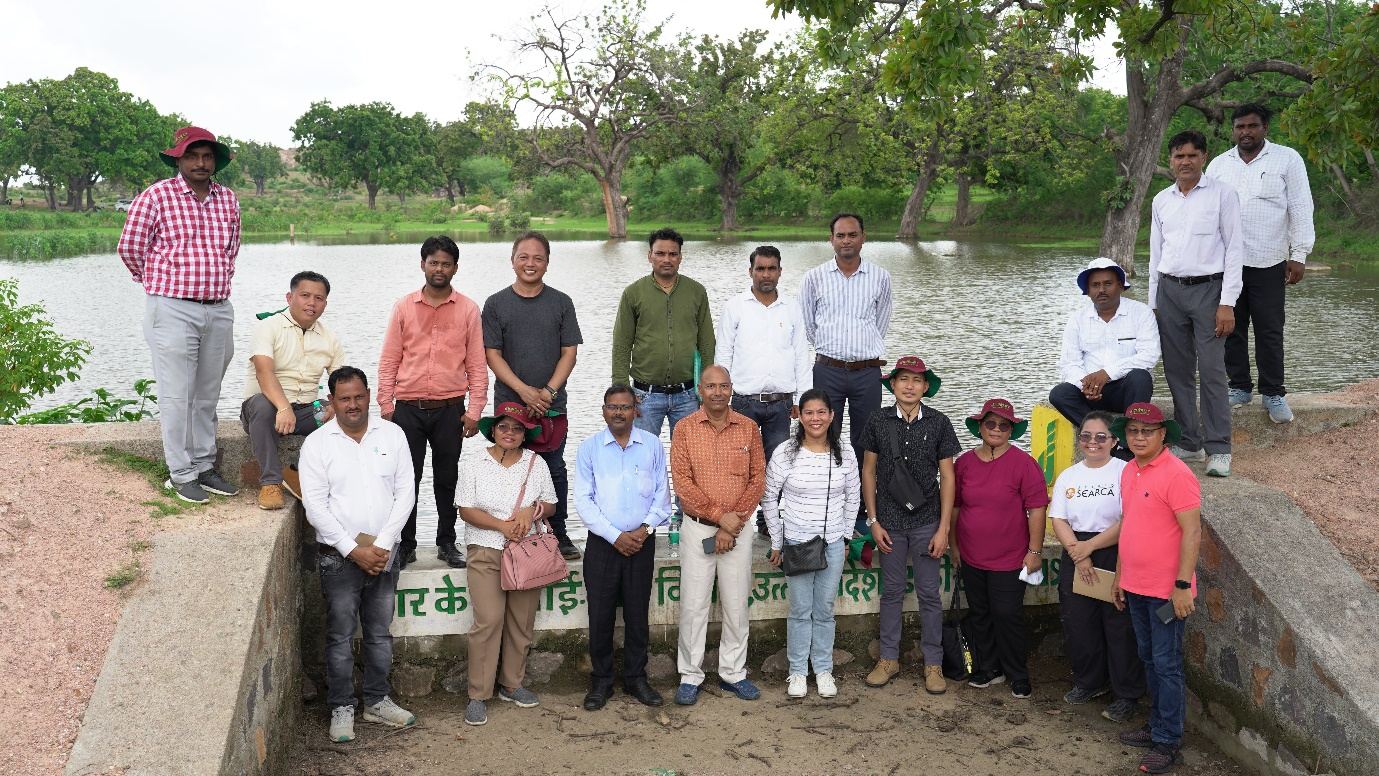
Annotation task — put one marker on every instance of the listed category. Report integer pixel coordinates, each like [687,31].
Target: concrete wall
[1282,654]
[203,675]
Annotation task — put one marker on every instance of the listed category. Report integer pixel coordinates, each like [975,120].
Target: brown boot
[883,673]
[934,683]
[271,496]
[292,481]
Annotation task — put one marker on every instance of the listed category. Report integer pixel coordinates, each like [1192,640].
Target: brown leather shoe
[934,683]
[292,481]
[883,673]
[270,496]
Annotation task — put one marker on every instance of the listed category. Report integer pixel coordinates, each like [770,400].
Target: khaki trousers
[698,569]
[504,622]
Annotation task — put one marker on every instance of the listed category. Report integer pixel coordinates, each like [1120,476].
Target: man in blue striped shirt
[622,494]
[847,310]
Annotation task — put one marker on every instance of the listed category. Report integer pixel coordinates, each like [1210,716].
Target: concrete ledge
[1312,413]
[202,676]
[1282,652]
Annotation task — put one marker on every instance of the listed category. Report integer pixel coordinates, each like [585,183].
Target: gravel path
[1331,477]
[68,522]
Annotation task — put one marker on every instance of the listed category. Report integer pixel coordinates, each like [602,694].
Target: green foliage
[34,358]
[156,472]
[100,407]
[1337,120]
[496,224]
[123,576]
[261,162]
[562,192]
[685,188]
[519,220]
[372,145]
[877,204]
[489,173]
[779,193]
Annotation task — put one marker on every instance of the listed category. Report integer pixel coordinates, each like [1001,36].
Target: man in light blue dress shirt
[622,493]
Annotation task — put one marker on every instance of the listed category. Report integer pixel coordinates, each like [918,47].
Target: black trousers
[612,579]
[443,430]
[1098,639]
[995,624]
[860,390]
[1137,385]
[560,478]
[1260,304]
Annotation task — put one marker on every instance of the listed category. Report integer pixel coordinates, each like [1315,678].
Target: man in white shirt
[1276,221]
[356,476]
[1194,279]
[1110,344]
[762,343]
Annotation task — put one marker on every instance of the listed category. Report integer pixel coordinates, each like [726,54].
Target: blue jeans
[1161,651]
[654,408]
[772,417]
[351,595]
[809,626]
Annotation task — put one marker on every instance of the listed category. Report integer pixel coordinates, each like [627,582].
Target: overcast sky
[249,69]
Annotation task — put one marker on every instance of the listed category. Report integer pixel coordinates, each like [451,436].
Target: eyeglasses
[1087,437]
[619,407]
[1141,431]
[509,428]
[996,425]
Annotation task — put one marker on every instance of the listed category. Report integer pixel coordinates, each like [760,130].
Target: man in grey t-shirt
[531,337]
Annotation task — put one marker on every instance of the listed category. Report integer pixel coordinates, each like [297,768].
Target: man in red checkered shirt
[179,242]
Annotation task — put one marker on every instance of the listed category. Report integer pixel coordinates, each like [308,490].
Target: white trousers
[733,570]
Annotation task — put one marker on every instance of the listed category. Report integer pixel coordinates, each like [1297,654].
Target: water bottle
[675,535]
[318,410]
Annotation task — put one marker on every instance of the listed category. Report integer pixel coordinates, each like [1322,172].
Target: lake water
[987,317]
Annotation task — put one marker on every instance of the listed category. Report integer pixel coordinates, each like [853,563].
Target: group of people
[1130,508]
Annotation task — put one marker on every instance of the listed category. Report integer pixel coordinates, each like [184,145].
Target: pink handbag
[533,561]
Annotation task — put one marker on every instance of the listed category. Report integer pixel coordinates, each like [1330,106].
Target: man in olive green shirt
[663,319]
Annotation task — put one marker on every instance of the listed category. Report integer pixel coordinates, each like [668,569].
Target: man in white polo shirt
[356,476]
[762,343]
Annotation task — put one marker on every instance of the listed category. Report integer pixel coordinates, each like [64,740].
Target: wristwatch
[1182,584]
[871,521]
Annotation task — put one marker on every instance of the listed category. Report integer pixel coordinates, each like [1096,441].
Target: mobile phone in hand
[1165,613]
[711,545]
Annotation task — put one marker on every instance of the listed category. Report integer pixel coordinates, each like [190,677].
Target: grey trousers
[911,548]
[191,345]
[1193,352]
[258,414]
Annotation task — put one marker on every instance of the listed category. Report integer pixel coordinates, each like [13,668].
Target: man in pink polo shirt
[1161,526]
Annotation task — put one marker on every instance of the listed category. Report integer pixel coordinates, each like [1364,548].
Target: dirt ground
[898,729]
[1331,477]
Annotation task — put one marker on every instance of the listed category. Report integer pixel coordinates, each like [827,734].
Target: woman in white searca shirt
[504,621]
[812,489]
[1085,512]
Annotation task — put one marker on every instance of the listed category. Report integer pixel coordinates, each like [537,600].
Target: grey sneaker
[1121,710]
[342,724]
[213,482]
[1240,398]
[190,492]
[1081,694]
[1188,455]
[389,713]
[1219,465]
[476,713]
[1279,411]
[524,698]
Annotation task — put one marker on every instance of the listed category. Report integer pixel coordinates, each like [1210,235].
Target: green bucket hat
[914,364]
[1145,412]
[1001,409]
[512,410]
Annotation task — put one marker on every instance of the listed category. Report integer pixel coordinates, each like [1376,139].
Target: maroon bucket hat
[1001,409]
[185,136]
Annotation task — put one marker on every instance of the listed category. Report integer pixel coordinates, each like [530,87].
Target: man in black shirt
[530,340]
[907,489]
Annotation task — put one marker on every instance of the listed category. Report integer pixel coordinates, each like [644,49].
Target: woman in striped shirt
[812,489]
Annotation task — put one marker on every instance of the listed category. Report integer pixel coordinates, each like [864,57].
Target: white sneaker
[1188,455]
[1279,411]
[827,687]
[1219,465]
[389,713]
[342,724]
[796,686]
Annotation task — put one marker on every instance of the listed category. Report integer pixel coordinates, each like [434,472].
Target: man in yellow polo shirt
[288,352]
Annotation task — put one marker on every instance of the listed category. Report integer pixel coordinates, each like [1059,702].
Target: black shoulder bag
[808,556]
[903,488]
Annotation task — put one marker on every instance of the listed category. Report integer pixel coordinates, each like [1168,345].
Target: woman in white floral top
[503,620]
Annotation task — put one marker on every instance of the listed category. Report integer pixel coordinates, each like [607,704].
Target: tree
[454,144]
[261,162]
[941,46]
[370,144]
[34,358]
[599,85]
[12,140]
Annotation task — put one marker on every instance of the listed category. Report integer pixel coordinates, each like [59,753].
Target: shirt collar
[288,320]
[1202,183]
[417,296]
[1263,150]
[333,427]
[605,437]
[1090,310]
[751,297]
[862,266]
[186,188]
[1155,461]
[919,413]
[733,417]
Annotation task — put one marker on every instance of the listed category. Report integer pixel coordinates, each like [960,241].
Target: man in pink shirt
[1161,526]
[432,361]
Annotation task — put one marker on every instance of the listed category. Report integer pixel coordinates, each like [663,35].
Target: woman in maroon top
[998,530]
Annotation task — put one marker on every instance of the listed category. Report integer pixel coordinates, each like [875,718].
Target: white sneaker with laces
[827,687]
[1279,412]
[1219,465]
[389,713]
[796,686]
[342,724]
